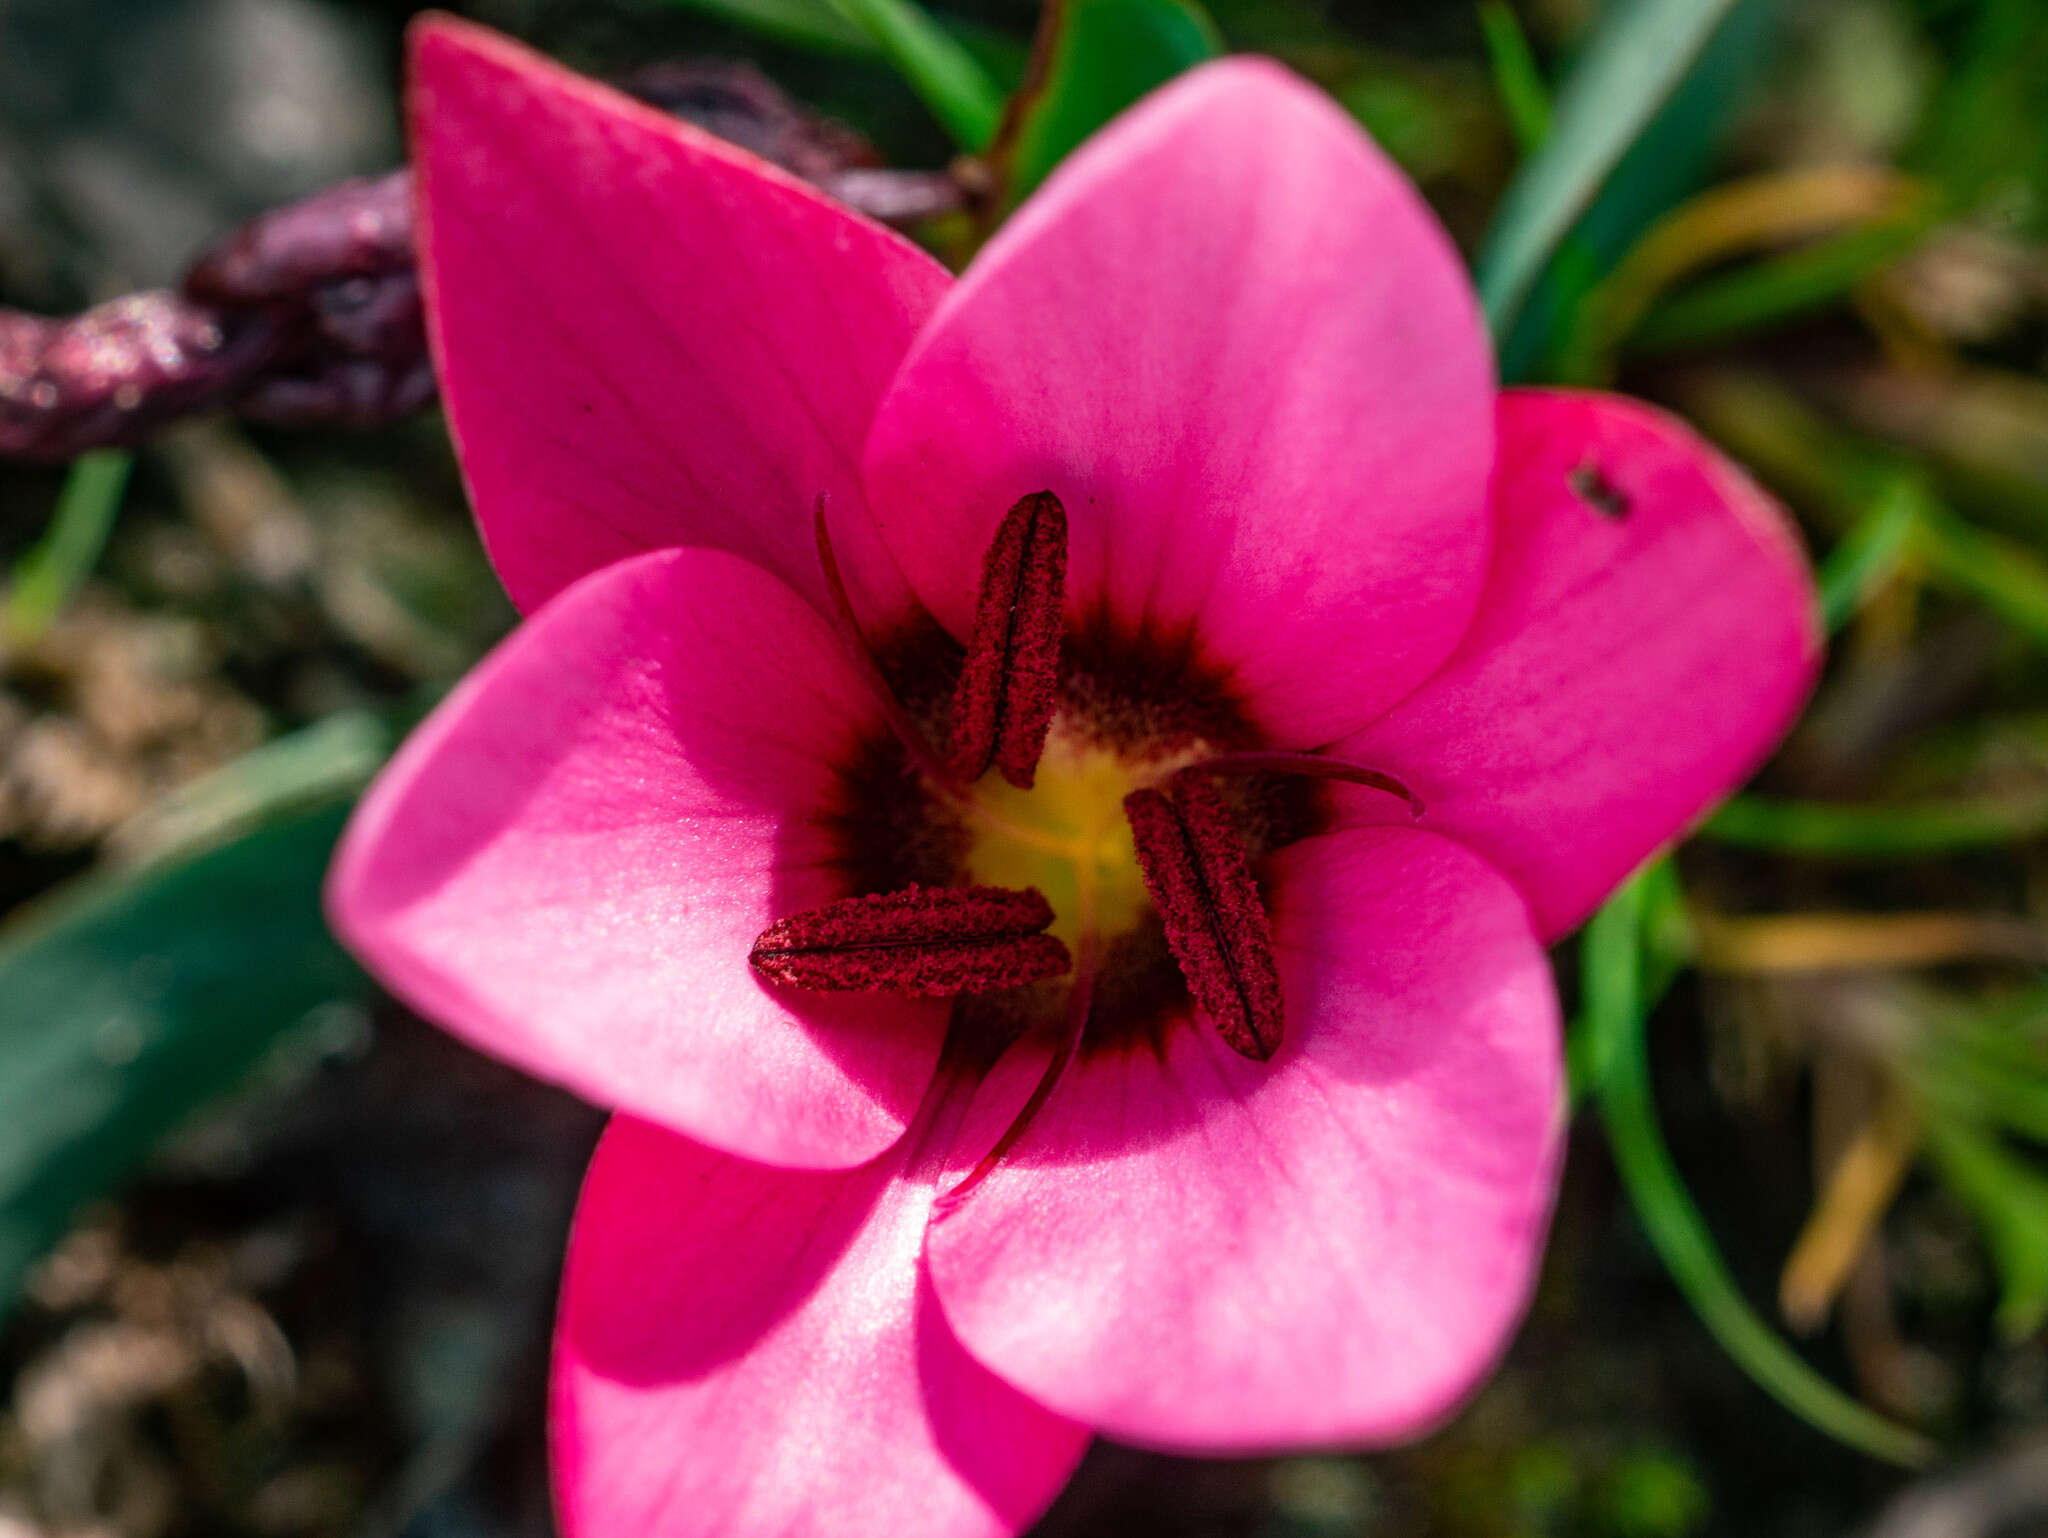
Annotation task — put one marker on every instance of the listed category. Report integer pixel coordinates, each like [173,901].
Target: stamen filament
[907,732]
[1079,1001]
[1317,765]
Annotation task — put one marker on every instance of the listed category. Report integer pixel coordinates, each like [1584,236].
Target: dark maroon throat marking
[922,940]
[1135,707]
[1003,705]
[1195,866]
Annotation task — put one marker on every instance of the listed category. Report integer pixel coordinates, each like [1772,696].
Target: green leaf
[935,65]
[1094,59]
[1638,55]
[1615,1002]
[813,24]
[51,572]
[133,997]
[2009,1199]
[934,58]
[309,768]
[136,1000]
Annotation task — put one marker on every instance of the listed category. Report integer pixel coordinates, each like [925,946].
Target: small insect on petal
[1200,878]
[924,940]
[1003,704]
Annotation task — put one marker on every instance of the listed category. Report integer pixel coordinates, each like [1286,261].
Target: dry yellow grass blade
[1853,1202]
[1829,942]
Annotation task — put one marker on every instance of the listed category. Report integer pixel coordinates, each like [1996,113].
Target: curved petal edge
[645,336]
[1648,633]
[1204,1254]
[567,865]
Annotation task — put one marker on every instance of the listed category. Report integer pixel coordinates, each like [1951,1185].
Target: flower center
[1096,815]
[1067,836]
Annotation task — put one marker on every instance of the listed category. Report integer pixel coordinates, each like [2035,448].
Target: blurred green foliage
[1094,58]
[136,999]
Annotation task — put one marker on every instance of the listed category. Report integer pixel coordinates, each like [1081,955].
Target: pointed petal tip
[580,267]
[1179,332]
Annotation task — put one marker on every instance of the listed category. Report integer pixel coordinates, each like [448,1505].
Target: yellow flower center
[1067,835]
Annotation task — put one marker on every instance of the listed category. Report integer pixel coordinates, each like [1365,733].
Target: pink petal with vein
[1232,339]
[1198,1252]
[645,336]
[1627,669]
[569,862]
[750,1353]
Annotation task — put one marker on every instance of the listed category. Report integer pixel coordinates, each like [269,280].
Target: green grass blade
[1782,288]
[2000,573]
[49,575]
[942,72]
[1878,832]
[1523,95]
[1612,950]
[2009,1199]
[1614,984]
[1639,53]
[1865,558]
[1776,432]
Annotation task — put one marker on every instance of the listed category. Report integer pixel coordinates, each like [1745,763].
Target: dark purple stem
[310,314]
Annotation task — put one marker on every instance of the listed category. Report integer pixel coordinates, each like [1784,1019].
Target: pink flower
[1233,345]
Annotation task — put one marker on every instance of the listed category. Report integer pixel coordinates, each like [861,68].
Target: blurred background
[278,1260]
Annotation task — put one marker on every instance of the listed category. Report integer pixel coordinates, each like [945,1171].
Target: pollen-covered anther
[922,940]
[1200,877]
[1003,704]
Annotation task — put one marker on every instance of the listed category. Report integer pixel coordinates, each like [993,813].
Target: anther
[1196,868]
[1003,705]
[923,940]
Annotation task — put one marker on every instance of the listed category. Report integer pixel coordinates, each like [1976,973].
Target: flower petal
[1626,669]
[567,865]
[1235,343]
[645,336]
[1191,1250]
[746,1352]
